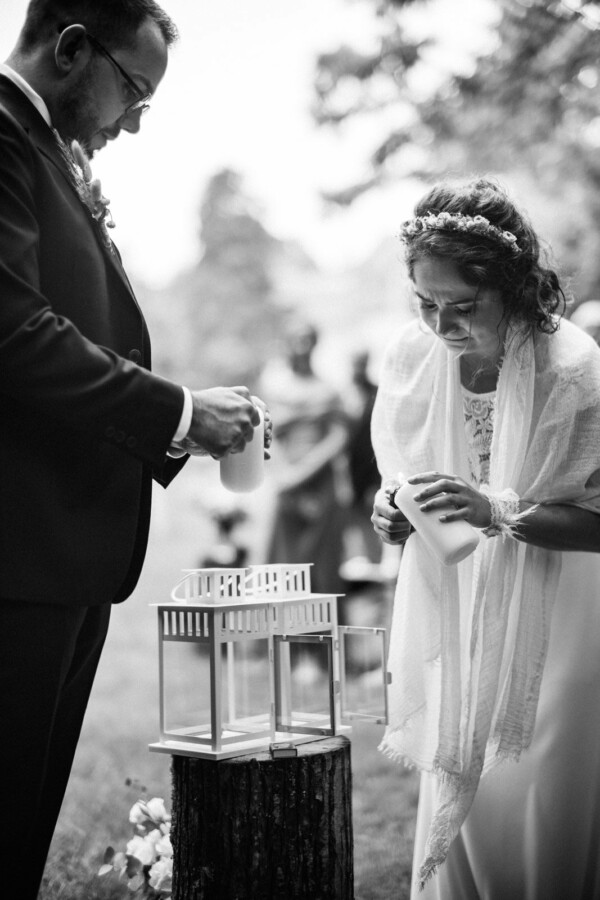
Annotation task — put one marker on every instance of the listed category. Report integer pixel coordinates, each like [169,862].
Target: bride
[489,404]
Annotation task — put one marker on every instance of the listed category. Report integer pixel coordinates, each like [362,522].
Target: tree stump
[257,828]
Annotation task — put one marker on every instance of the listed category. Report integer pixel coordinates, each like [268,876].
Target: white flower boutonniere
[93,197]
[89,190]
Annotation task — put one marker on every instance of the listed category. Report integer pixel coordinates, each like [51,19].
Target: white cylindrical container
[449,541]
[245,471]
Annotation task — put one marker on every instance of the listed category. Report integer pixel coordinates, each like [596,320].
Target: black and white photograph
[300,449]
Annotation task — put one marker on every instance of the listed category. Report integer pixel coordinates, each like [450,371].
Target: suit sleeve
[49,370]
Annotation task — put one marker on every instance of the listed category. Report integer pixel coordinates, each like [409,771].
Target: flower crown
[445,221]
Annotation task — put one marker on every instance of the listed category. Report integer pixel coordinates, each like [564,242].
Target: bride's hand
[389,523]
[454,497]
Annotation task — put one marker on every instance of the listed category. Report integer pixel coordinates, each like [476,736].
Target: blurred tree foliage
[214,323]
[530,109]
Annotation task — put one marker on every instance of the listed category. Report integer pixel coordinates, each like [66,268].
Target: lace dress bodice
[479,427]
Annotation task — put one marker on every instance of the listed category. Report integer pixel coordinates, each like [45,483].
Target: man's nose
[130,121]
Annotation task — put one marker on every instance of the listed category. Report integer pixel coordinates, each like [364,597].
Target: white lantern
[250,659]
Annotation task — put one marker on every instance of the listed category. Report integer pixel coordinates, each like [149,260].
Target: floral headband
[445,221]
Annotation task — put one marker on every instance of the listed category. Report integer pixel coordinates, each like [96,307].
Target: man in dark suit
[85,425]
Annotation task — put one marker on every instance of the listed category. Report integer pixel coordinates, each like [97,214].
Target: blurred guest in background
[308,460]
[361,540]
[227,550]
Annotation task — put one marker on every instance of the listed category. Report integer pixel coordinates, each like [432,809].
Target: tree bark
[256,828]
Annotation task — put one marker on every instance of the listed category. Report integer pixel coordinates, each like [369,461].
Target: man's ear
[72,49]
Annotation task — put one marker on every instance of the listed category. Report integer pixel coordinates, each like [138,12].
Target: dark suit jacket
[83,424]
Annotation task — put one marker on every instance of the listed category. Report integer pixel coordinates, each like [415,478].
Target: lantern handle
[226,575]
[174,596]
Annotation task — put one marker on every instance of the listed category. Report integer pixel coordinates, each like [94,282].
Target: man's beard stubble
[76,118]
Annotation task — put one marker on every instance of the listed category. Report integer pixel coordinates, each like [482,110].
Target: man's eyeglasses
[141,103]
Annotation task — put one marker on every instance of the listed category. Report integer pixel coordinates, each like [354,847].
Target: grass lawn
[122,720]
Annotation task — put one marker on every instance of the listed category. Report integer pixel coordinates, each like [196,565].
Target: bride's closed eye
[428,306]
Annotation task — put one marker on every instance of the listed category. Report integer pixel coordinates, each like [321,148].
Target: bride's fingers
[443,486]
[390,526]
[462,513]
[392,532]
[443,501]
[426,477]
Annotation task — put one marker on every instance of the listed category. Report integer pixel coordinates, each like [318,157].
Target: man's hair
[113,22]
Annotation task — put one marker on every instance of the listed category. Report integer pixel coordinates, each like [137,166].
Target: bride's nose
[446,321]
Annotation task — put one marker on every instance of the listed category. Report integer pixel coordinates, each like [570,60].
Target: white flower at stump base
[147,863]
[161,875]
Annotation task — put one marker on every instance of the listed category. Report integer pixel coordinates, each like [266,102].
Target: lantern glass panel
[304,684]
[363,675]
[186,667]
[241,685]
[246,690]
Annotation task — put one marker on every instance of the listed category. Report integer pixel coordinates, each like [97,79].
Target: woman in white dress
[489,404]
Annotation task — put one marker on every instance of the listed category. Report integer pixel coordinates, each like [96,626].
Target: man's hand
[268,423]
[223,421]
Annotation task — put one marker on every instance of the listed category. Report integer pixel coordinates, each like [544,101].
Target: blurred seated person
[228,550]
[308,460]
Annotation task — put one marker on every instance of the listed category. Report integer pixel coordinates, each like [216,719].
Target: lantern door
[363,675]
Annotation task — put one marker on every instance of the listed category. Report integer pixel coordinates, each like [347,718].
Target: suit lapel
[20,107]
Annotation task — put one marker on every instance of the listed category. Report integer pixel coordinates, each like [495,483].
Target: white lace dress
[479,428]
[533,832]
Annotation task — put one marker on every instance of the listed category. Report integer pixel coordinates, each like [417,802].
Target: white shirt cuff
[186,417]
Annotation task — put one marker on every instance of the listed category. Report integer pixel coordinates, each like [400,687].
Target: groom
[85,425]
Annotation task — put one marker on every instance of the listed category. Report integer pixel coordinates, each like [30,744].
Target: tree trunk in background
[255,828]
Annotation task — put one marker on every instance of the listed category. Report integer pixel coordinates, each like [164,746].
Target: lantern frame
[226,607]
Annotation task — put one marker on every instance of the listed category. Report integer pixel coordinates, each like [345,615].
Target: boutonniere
[94,199]
[88,188]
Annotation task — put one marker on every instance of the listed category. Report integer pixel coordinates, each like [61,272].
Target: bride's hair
[505,256]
